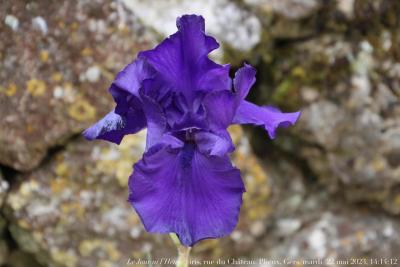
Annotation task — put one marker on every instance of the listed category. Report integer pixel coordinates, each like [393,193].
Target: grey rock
[229,23]
[42,100]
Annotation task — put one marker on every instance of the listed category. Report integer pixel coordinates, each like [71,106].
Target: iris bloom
[185,183]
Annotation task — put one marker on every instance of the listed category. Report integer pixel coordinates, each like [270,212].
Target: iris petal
[220,107]
[269,117]
[182,59]
[113,127]
[213,144]
[188,193]
[244,79]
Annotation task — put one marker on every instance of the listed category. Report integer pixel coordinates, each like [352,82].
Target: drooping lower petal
[113,127]
[269,117]
[186,192]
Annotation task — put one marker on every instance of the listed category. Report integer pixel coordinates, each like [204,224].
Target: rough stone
[346,86]
[336,236]
[45,48]
[225,20]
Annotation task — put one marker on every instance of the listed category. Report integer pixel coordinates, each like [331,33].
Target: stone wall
[327,188]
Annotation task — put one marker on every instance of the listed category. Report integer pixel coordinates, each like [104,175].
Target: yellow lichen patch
[119,161]
[378,164]
[66,258]
[28,187]
[258,212]
[23,224]
[82,110]
[44,56]
[360,236]
[208,244]
[74,25]
[10,90]
[30,128]
[112,251]
[61,169]
[86,52]
[299,72]
[56,77]
[61,24]
[236,133]
[86,247]
[106,264]
[73,207]
[124,168]
[124,29]
[396,200]
[16,202]
[38,236]
[58,185]
[36,87]
[133,219]
[255,202]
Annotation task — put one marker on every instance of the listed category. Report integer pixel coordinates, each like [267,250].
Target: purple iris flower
[185,183]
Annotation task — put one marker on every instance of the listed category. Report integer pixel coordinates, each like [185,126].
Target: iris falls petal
[186,192]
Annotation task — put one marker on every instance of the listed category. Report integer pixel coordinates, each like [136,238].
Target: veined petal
[244,79]
[220,108]
[125,88]
[182,59]
[156,121]
[188,193]
[269,117]
[131,77]
[113,127]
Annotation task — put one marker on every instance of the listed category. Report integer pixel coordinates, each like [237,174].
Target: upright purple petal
[113,127]
[131,77]
[244,79]
[188,193]
[269,117]
[125,88]
[156,121]
[182,59]
[220,108]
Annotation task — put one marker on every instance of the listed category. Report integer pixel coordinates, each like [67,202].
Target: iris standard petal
[220,108]
[156,121]
[182,59]
[125,88]
[188,193]
[113,127]
[131,77]
[244,79]
[269,117]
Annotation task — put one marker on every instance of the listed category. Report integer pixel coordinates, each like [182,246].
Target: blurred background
[327,188]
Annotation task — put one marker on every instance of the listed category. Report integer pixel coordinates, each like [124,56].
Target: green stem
[183,252]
